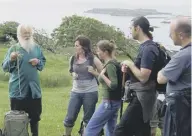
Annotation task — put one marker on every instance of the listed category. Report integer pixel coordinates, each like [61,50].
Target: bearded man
[23,61]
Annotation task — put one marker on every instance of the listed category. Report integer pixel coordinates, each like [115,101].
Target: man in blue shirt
[137,116]
[177,75]
[23,61]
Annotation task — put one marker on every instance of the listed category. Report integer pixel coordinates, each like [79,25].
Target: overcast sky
[10,9]
[180,3]
[50,12]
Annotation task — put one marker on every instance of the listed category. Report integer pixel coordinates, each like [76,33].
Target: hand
[14,56]
[90,69]
[153,131]
[127,63]
[74,75]
[124,68]
[103,71]
[34,61]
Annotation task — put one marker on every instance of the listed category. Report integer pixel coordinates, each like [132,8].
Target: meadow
[56,84]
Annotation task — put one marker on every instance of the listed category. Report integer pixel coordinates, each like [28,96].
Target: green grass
[56,85]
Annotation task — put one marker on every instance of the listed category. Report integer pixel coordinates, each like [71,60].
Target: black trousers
[178,114]
[132,123]
[31,106]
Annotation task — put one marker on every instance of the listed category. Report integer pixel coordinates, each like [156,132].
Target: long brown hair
[85,42]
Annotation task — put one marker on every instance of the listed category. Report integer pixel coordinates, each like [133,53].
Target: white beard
[28,45]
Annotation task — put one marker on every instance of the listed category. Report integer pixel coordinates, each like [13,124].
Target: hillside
[56,85]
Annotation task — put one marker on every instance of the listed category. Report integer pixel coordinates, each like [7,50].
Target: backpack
[163,60]
[91,64]
[119,75]
[16,124]
[121,83]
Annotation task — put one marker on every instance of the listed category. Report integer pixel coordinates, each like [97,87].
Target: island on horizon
[126,12]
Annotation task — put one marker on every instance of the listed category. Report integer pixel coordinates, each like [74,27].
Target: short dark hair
[144,24]
[184,27]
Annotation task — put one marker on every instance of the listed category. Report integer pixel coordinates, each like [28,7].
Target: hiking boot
[68,131]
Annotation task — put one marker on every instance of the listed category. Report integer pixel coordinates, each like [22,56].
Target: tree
[75,25]
[69,29]
[8,29]
[44,40]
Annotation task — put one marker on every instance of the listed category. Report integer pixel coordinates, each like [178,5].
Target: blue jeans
[88,100]
[105,115]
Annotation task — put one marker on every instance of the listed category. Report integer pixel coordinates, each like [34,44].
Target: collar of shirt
[186,46]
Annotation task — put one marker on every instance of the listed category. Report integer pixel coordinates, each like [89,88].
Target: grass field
[56,85]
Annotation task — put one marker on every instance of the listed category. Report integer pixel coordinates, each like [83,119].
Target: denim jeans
[178,114]
[105,115]
[88,100]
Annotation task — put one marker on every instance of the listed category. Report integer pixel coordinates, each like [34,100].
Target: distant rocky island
[126,12]
[168,20]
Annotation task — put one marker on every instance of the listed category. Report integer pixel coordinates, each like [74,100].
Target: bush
[48,79]
[8,29]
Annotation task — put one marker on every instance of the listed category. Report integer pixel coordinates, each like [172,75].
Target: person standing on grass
[85,87]
[107,112]
[136,118]
[177,75]
[23,61]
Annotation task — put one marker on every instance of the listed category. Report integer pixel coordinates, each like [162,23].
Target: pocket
[162,109]
[107,105]
[94,96]
[35,89]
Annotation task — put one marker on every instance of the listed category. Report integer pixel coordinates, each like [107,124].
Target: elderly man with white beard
[23,61]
